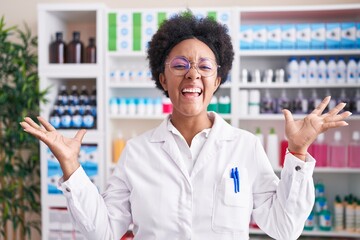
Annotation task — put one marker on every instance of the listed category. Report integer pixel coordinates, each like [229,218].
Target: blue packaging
[54,173]
[288,36]
[317,36]
[274,36]
[303,36]
[358,35]
[333,35]
[348,35]
[259,37]
[246,37]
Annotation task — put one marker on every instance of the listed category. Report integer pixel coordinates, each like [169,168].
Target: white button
[67,189]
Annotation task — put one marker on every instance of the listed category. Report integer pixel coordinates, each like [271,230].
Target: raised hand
[66,150]
[302,133]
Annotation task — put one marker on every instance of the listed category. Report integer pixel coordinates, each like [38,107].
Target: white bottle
[293,70]
[312,71]
[322,71]
[331,71]
[341,71]
[303,71]
[272,148]
[332,102]
[259,134]
[351,71]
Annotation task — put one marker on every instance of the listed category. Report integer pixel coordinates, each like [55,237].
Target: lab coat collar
[221,130]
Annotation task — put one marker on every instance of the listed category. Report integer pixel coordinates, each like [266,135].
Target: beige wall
[18,11]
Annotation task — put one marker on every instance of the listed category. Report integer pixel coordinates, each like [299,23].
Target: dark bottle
[75,50]
[54,119]
[57,49]
[90,51]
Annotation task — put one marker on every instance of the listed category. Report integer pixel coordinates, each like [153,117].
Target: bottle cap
[337,136]
[356,136]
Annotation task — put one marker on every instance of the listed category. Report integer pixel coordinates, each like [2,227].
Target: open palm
[302,133]
[66,150]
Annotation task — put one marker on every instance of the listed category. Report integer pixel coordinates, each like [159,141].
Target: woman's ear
[217,82]
[162,80]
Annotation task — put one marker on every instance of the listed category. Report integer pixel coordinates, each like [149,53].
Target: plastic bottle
[54,118]
[74,95]
[90,51]
[75,50]
[310,222]
[118,146]
[314,101]
[300,104]
[93,102]
[65,118]
[57,49]
[267,104]
[356,103]
[272,148]
[293,70]
[76,118]
[283,147]
[88,118]
[338,214]
[283,102]
[351,71]
[332,71]
[259,134]
[224,105]
[325,220]
[357,216]
[84,97]
[303,71]
[333,101]
[343,98]
[312,71]
[322,71]
[64,96]
[354,150]
[350,214]
[320,151]
[337,152]
[341,71]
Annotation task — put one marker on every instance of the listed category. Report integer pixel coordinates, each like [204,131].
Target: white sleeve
[98,216]
[281,207]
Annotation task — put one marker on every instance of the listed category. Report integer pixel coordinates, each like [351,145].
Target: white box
[288,36]
[259,37]
[303,36]
[333,35]
[348,35]
[317,36]
[273,36]
[246,37]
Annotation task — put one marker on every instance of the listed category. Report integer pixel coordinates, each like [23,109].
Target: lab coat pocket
[231,209]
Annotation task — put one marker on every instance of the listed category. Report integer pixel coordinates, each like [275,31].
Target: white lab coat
[152,189]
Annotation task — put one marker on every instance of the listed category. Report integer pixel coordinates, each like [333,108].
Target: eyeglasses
[180,66]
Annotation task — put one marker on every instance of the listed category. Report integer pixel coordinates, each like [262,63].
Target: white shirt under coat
[152,188]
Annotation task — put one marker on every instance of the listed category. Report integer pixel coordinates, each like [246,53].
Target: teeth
[192,90]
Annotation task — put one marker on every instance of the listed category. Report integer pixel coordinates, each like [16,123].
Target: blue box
[358,35]
[274,37]
[288,36]
[259,37]
[246,37]
[317,36]
[303,36]
[348,35]
[333,35]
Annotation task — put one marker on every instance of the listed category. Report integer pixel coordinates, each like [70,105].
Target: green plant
[19,152]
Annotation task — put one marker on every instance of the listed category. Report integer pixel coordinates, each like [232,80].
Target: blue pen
[232,175]
[237,180]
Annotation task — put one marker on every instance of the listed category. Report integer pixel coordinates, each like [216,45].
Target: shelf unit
[88,19]
[94,20]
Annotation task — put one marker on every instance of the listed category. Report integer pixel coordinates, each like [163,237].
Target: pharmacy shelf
[91,136]
[54,200]
[71,70]
[132,84]
[296,52]
[317,233]
[287,85]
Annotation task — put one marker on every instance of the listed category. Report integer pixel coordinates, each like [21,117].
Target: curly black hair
[184,26]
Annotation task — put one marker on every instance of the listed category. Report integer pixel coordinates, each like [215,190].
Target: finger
[33,124]
[80,135]
[321,107]
[336,109]
[335,124]
[288,116]
[33,131]
[338,117]
[46,124]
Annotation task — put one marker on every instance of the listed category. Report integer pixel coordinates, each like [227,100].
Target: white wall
[17,12]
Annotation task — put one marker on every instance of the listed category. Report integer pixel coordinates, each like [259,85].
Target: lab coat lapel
[220,133]
[162,134]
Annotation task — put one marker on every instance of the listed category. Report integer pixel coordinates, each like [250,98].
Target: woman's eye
[179,66]
[205,67]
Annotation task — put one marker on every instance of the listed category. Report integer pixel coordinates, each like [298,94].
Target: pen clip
[234,175]
[237,180]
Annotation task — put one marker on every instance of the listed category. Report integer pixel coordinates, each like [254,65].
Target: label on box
[274,36]
[259,37]
[288,36]
[246,37]
[303,36]
[348,35]
[317,36]
[333,35]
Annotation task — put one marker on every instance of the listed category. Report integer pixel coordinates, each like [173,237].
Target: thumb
[287,115]
[80,135]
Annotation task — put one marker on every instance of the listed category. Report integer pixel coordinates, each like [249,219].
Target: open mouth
[191,92]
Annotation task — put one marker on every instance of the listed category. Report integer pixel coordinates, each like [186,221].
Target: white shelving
[66,18]
[93,20]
